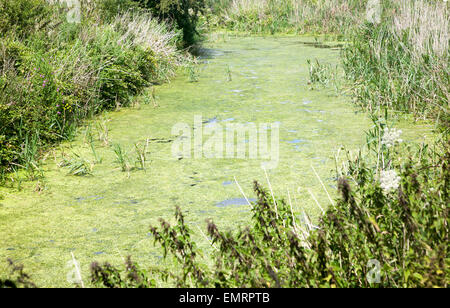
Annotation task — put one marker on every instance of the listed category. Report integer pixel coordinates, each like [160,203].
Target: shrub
[107,276]
[126,68]
[28,97]
[110,9]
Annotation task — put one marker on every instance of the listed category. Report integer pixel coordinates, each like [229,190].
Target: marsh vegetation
[361,192]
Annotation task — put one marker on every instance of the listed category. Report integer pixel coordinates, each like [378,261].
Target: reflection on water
[234,201]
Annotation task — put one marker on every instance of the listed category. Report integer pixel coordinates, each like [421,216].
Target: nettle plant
[374,235]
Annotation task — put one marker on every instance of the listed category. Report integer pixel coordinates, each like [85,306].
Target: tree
[184,12]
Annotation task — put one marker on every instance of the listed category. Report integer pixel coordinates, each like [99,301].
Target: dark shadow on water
[208,53]
[321,45]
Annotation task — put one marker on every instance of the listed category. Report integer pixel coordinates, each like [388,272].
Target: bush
[28,97]
[126,70]
[109,9]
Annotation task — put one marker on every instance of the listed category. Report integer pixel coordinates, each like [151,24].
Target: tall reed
[402,63]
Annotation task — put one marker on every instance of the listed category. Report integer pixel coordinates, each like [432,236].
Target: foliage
[107,276]
[185,13]
[54,73]
[393,209]
[400,62]
[122,158]
[19,278]
[322,73]
[78,166]
[298,16]
[22,17]
[403,66]
[110,9]
[373,235]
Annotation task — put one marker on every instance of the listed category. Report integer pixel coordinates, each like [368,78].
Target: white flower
[391,137]
[389,180]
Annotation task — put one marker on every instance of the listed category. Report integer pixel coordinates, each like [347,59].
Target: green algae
[106,216]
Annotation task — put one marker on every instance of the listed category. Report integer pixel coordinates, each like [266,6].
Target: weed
[53,73]
[402,229]
[228,73]
[141,155]
[29,156]
[153,97]
[402,63]
[193,74]
[275,16]
[103,132]
[122,158]
[97,158]
[323,74]
[78,166]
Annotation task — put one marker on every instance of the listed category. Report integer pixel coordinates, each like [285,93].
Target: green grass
[287,16]
[77,165]
[399,68]
[122,158]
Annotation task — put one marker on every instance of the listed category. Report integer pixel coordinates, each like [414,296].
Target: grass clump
[323,74]
[122,158]
[141,155]
[402,63]
[77,165]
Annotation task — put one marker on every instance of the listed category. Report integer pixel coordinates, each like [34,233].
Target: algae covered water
[252,82]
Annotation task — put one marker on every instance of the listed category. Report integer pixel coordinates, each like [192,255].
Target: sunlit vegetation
[388,224]
[55,72]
